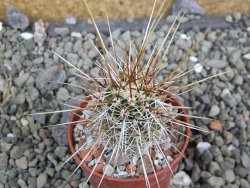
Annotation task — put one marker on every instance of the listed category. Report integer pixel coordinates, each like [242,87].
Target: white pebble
[71,20]
[1,26]
[202,146]
[156,162]
[193,59]
[169,158]
[76,34]
[11,135]
[122,173]
[26,35]
[79,126]
[109,170]
[247,56]
[184,36]
[182,179]
[198,67]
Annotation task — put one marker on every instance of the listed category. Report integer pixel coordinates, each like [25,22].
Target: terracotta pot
[164,175]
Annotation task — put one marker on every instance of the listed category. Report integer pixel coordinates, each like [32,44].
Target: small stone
[24,122]
[228,98]
[247,56]
[244,183]
[63,31]
[1,26]
[71,20]
[213,167]
[40,32]
[215,125]
[21,79]
[99,168]
[202,146]
[85,154]
[21,183]
[228,137]
[26,35]
[76,34]
[181,179]
[238,80]
[63,94]
[215,63]
[5,147]
[22,163]
[60,151]
[147,165]
[229,176]
[245,159]
[214,111]
[41,180]
[206,157]
[16,19]
[198,67]
[229,18]
[108,170]
[50,78]
[215,181]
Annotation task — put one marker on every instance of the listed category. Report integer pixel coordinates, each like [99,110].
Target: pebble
[198,67]
[229,176]
[247,56]
[71,20]
[214,111]
[202,146]
[215,181]
[215,125]
[1,26]
[41,180]
[229,18]
[21,79]
[63,94]
[63,31]
[16,19]
[22,163]
[76,34]
[109,170]
[40,33]
[215,63]
[245,159]
[181,179]
[26,35]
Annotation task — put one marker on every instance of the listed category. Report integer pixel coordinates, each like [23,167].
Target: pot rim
[172,165]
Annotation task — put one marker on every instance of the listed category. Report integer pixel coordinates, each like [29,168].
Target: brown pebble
[43,133]
[99,168]
[81,142]
[215,125]
[130,168]
[152,153]
[83,155]
[167,152]
[158,167]
[97,152]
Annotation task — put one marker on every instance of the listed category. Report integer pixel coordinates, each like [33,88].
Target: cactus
[131,118]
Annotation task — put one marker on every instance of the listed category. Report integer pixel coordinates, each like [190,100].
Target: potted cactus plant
[131,131]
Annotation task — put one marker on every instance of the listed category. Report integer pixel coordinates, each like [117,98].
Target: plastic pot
[164,175]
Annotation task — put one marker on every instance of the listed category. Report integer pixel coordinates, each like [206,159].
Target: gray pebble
[245,159]
[216,181]
[63,31]
[22,163]
[215,63]
[214,111]
[230,176]
[41,180]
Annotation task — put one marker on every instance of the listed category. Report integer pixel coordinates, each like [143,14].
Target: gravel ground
[32,155]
